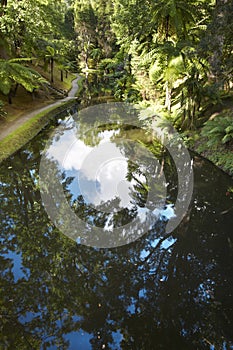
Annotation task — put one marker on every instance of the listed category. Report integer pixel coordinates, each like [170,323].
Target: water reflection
[111,182]
[97,187]
[164,291]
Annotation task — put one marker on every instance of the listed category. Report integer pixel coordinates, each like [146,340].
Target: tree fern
[12,72]
[219,130]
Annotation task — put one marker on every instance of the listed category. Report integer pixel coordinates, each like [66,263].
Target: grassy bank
[30,129]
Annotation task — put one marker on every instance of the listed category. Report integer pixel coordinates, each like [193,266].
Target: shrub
[218,130]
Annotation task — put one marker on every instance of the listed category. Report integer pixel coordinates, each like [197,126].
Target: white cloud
[104,164]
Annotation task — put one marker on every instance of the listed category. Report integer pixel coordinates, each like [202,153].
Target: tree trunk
[15,90]
[167,27]
[61,75]
[66,74]
[218,39]
[168,97]
[33,95]
[52,69]
[86,60]
[2,5]
[10,98]
[4,2]
[129,64]
[3,47]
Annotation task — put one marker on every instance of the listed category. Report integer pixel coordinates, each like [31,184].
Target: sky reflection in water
[162,291]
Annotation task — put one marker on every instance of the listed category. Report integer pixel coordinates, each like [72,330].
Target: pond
[158,290]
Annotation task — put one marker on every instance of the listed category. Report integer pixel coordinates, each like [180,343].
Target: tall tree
[85,24]
[217,43]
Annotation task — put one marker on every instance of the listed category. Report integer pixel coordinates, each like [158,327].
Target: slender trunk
[168,97]
[86,54]
[66,74]
[61,75]
[3,47]
[3,4]
[167,27]
[167,86]
[15,90]
[86,79]
[189,109]
[182,99]
[86,60]
[183,116]
[10,98]
[193,114]
[52,69]
[33,95]
[182,107]
[129,63]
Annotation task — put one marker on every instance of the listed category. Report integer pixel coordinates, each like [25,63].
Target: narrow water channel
[160,291]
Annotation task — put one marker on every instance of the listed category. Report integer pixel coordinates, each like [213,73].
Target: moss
[30,129]
[221,156]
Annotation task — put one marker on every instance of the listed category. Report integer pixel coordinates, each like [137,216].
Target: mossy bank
[26,132]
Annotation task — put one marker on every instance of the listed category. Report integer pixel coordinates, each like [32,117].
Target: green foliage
[125,90]
[24,21]
[174,17]
[95,38]
[218,130]
[222,158]
[174,54]
[13,72]
[216,140]
[131,20]
[29,27]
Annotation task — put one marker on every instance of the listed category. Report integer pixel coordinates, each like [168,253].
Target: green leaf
[227,138]
[229,129]
[5,85]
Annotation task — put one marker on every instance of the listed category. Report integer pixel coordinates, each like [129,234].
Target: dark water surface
[163,291]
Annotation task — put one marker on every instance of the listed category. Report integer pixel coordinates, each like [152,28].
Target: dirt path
[14,125]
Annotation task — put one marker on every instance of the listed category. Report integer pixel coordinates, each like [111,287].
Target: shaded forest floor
[17,132]
[14,122]
[23,102]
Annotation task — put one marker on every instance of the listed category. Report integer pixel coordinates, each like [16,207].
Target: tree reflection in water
[161,292]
